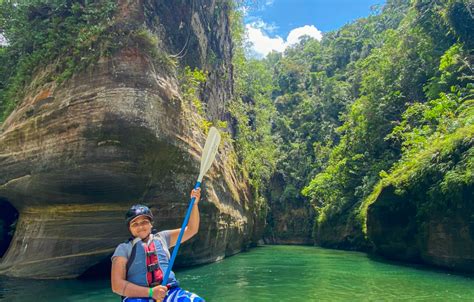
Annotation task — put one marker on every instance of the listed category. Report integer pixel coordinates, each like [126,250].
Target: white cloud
[262,44]
[307,30]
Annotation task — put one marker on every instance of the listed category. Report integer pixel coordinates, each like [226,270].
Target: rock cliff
[289,221]
[426,214]
[75,156]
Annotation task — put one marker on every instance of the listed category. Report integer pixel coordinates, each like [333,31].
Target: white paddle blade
[209,153]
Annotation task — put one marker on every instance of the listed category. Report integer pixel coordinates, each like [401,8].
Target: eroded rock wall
[74,157]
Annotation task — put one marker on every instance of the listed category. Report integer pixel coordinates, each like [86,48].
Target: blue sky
[276,24]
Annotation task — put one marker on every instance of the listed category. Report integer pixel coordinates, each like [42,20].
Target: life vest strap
[152,267]
[154,273]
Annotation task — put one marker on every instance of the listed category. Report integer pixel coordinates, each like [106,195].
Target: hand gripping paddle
[208,155]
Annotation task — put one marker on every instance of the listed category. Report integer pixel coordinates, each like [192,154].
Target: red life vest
[154,273]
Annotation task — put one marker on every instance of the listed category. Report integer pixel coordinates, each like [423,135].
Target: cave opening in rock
[8,219]
[100,270]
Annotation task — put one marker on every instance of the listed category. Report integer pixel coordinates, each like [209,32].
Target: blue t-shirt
[125,250]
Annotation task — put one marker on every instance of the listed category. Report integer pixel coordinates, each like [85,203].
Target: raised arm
[193,223]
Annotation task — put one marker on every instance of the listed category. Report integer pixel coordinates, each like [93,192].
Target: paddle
[208,155]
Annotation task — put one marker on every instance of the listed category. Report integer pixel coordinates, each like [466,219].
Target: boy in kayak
[138,266]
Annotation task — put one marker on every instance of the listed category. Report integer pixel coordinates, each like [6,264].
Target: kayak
[175,294]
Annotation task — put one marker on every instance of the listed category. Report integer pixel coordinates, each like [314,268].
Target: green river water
[276,273]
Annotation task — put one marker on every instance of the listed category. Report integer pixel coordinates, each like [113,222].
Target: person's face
[140,227]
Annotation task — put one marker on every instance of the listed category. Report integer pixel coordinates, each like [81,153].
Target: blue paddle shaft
[181,233]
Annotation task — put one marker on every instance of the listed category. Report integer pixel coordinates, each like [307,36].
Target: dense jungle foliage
[65,35]
[387,99]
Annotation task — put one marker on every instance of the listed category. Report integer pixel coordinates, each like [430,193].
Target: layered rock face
[74,157]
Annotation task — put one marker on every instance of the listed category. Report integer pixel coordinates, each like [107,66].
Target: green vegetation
[253,113]
[384,100]
[414,98]
[51,40]
[67,36]
[190,84]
